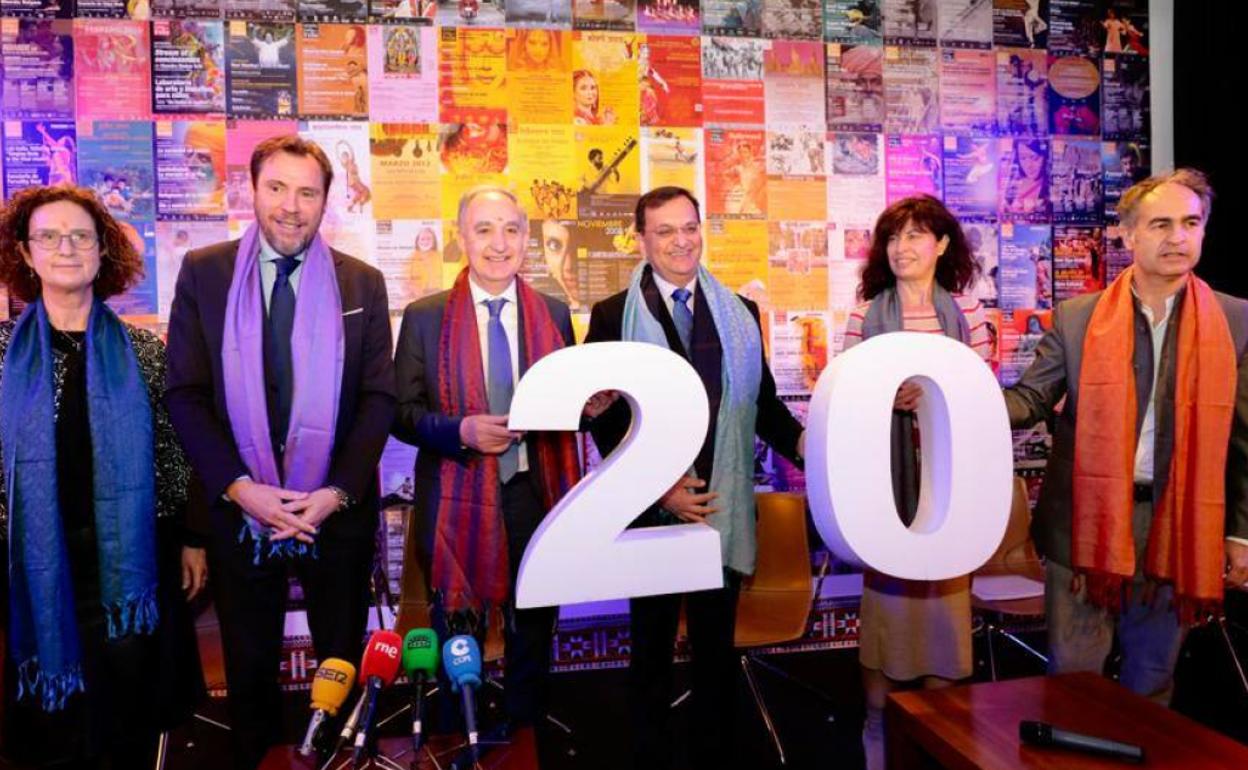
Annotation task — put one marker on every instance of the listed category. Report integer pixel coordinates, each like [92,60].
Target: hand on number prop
[600,402]
[487,433]
[687,504]
[908,396]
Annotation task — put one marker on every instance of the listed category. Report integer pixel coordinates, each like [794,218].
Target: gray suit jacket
[1055,373]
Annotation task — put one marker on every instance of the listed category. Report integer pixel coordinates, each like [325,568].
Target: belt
[1143,493]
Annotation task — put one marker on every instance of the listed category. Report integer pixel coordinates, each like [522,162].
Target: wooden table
[520,753]
[976,726]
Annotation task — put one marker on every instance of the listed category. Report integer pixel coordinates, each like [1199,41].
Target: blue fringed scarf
[43,632]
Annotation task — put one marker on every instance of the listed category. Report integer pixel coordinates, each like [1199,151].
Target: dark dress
[138,685]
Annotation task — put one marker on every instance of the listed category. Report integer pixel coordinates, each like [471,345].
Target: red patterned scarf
[470,566]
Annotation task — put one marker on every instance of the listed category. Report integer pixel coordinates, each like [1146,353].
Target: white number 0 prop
[582,551]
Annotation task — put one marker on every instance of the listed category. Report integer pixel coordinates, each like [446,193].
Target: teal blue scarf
[732,476]
[43,632]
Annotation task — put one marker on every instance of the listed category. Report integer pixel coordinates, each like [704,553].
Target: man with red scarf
[482,489]
[1144,511]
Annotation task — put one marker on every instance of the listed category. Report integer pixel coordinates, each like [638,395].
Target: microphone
[378,670]
[330,687]
[461,657]
[1048,736]
[420,662]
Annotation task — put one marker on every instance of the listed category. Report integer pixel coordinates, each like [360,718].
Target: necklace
[74,343]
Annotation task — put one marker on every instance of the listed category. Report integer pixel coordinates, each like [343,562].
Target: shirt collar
[480,295]
[1148,311]
[270,254]
[667,287]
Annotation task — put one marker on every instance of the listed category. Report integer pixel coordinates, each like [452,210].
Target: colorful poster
[139,10]
[115,160]
[348,224]
[1020,23]
[1022,92]
[909,23]
[1025,271]
[188,67]
[241,137]
[472,153]
[406,11]
[911,90]
[732,84]
[139,304]
[539,75]
[1117,256]
[38,63]
[173,241]
[37,9]
[1074,95]
[1125,108]
[732,18]
[853,22]
[981,238]
[260,79]
[1124,25]
[965,23]
[736,174]
[797,266]
[971,176]
[1078,260]
[736,252]
[1021,331]
[669,17]
[539,13]
[619,15]
[793,19]
[914,166]
[402,74]
[190,169]
[580,262]
[186,9]
[1074,25]
[333,10]
[39,153]
[268,10]
[796,183]
[1124,163]
[856,187]
[404,168]
[1024,180]
[855,82]
[453,13]
[608,164]
[1075,180]
[799,351]
[967,91]
[605,91]
[409,254]
[794,85]
[544,170]
[112,69]
[333,70]
[670,81]
[673,156]
[472,75]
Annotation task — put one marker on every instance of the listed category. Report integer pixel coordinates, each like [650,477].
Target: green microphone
[420,663]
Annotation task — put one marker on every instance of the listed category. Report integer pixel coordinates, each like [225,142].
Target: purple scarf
[316,337]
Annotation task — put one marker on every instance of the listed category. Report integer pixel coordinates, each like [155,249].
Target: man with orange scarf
[1144,511]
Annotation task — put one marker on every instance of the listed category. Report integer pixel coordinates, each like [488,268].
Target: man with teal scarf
[675,302]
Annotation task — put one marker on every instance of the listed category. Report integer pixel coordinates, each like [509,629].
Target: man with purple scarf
[281,388]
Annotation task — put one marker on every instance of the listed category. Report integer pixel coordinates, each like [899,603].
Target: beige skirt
[912,628]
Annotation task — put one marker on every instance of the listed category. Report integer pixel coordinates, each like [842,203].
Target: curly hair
[955,269]
[121,264]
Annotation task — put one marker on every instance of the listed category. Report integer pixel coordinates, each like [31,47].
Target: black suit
[423,422]
[251,598]
[711,614]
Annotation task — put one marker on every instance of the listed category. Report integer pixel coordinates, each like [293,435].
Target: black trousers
[251,606]
[711,619]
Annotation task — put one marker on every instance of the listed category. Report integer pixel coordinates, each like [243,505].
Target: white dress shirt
[510,317]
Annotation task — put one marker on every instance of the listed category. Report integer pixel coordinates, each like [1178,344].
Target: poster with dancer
[1020,23]
[736,173]
[914,166]
[39,153]
[260,80]
[732,81]
[1022,92]
[669,17]
[333,71]
[1025,275]
[670,81]
[37,57]
[971,175]
[112,69]
[188,67]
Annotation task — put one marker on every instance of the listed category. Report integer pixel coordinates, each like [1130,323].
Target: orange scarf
[1185,544]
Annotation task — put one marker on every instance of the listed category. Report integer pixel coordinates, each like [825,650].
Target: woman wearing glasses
[100,652]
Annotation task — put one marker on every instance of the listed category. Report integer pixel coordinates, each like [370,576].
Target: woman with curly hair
[101,652]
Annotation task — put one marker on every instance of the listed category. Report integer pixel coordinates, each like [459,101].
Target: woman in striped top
[918,265]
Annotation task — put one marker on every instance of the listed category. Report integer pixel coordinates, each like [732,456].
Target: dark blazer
[195,390]
[1055,373]
[422,419]
[775,423]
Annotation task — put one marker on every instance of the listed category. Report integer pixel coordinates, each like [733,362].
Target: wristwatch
[344,499]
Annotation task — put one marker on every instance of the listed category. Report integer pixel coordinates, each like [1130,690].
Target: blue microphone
[461,657]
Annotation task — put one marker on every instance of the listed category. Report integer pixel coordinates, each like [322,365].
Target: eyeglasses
[50,240]
[666,232]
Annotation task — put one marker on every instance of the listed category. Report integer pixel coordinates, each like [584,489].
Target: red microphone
[379,668]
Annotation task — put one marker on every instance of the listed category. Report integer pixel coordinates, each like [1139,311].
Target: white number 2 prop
[582,550]
[967,470]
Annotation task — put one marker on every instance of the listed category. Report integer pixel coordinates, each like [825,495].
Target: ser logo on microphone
[332,675]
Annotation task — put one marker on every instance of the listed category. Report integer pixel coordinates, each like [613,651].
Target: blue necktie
[281,322]
[683,318]
[499,385]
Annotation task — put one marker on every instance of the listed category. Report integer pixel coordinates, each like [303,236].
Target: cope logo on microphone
[389,650]
[332,675]
[459,647]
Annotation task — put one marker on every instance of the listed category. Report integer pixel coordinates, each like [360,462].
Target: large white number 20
[581,551]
